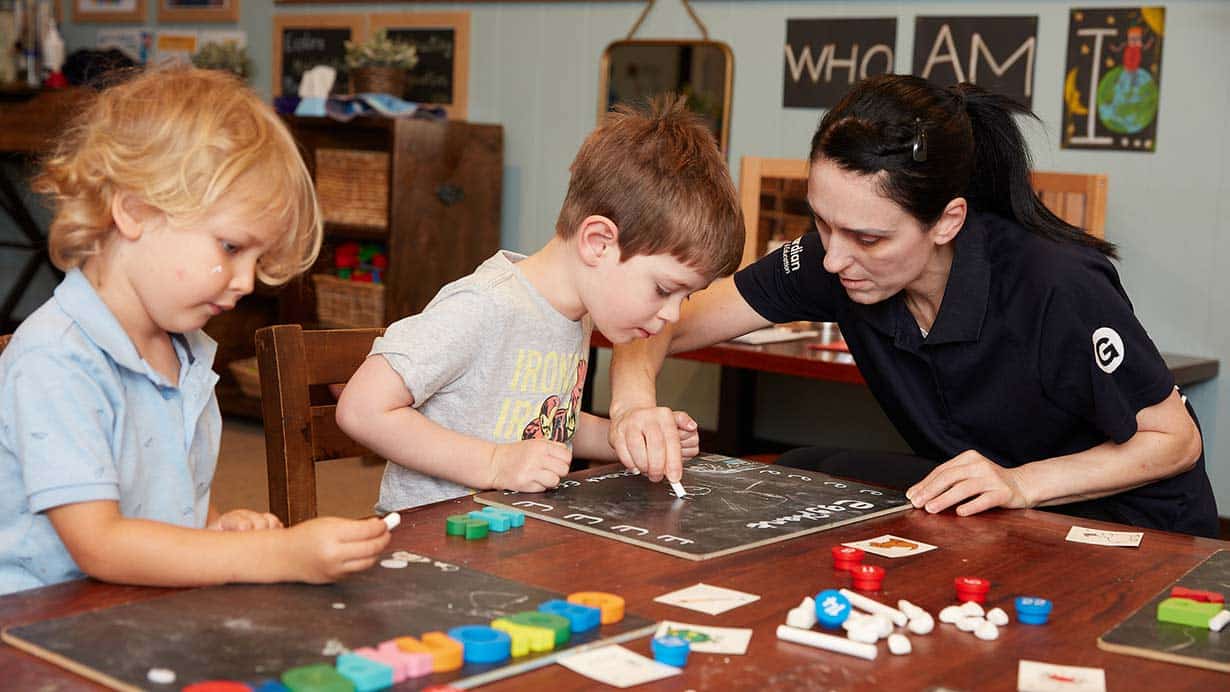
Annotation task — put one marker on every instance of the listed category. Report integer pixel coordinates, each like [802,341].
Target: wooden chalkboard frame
[459,23]
[357,23]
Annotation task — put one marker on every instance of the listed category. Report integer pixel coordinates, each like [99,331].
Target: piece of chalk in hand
[391,520]
[678,488]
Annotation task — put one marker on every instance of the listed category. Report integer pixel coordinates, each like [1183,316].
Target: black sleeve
[791,284]
[1096,359]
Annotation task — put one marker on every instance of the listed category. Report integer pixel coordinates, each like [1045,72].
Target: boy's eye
[229,247]
[663,292]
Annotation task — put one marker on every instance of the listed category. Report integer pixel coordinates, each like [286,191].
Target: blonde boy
[483,388]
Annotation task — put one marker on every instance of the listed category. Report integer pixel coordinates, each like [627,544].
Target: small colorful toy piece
[219,686]
[482,644]
[867,577]
[671,650]
[611,606]
[558,625]
[319,677]
[1197,595]
[270,686]
[832,608]
[846,558]
[365,674]
[498,523]
[446,652]
[583,618]
[516,518]
[1031,610]
[465,525]
[1184,611]
[972,589]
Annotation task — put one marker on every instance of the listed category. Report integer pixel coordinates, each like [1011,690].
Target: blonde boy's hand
[245,520]
[529,466]
[655,440]
[689,435]
[326,549]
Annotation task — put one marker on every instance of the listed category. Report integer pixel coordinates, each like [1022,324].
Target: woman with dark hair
[997,338]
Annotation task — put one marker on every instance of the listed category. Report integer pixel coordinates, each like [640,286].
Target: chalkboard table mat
[1142,635]
[731,505]
[255,632]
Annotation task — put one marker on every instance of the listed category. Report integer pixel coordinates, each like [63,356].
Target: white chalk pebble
[997,617]
[394,563]
[809,603]
[161,676]
[922,625]
[866,632]
[803,618]
[987,631]
[884,626]
[1219,621]
[969,624]
[899,644]
[339,606]
[854,620]
[391,520]
[911,611]
[951,615]
[972,609]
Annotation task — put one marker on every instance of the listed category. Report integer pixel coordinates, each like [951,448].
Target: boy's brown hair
[658,175]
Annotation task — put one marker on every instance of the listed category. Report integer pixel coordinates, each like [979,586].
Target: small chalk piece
[678,488]
[969,624]
[972,609]
[911,611]
[1219,621]
[801,617]
[884,626]
[864,631]
[863,603]
[922,625]
[899,644]
[808,602]
[827,642]
[987,631]
[997,617]
[391,520]
[161,676]
[855,620]
[339,606]
[951,615]
[393,563]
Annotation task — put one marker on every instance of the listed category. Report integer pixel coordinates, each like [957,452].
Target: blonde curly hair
[183,141]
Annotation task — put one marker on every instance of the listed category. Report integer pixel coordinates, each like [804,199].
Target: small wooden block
[499,523]
[612,606]
[318,677]
[446,652]
[1183,611]
[366,675]
[558,625]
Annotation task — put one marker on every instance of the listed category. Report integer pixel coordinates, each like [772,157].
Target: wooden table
[1021,552]
[799,358]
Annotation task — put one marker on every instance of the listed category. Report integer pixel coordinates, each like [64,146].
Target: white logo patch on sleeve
[1107,349]
[791,253]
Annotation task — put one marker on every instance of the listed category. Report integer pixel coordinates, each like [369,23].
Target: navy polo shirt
[1035,353]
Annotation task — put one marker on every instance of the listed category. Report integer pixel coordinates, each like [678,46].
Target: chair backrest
[1078,198]
[773,195]
[300,428]
[4,341]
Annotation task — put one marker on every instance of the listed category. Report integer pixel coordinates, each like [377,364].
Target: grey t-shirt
[488,357]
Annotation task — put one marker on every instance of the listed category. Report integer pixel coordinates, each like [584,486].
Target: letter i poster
[1113,78]
[729,505]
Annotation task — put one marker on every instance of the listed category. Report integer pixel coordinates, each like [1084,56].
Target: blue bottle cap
[832,608]
[671,650]
[482,644]
[1031,610]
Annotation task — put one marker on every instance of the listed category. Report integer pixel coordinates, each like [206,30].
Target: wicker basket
[379,80]
[247,376]
[353,187]
[344,304]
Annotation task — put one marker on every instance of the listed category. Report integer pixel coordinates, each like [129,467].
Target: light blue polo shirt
[83,418]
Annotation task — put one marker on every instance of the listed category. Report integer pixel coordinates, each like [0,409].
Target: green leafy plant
[381,51]
[228,56]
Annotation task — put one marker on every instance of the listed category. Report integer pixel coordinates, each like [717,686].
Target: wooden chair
[1078,198]
[295,368]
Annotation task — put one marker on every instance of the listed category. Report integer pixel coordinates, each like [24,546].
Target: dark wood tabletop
[1022,552]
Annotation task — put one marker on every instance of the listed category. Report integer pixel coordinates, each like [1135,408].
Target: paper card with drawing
[1036,676]
[889,545]
[708,640]
[617,666]
[713,600]
[1127,539]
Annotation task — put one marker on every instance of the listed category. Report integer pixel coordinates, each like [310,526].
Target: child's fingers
[547,478]
[272,521]
[685,422]
[370,548]
[359,530]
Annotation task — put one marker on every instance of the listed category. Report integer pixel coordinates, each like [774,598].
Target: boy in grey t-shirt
[483,388]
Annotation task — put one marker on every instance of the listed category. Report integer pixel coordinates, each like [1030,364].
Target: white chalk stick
[899,644]
[1219,621]
[911,611]
[391,520]
[875,607]
[827,642]
[678,488]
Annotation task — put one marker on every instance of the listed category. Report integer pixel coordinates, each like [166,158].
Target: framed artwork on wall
[442,40]
[302,41]
[108,10]
[198,10]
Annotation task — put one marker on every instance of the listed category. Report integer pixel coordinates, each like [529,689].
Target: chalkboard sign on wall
[443,43]
[301,42]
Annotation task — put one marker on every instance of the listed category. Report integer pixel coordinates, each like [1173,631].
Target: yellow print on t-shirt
[525,419]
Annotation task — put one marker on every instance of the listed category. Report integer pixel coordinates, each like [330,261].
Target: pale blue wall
[534,69]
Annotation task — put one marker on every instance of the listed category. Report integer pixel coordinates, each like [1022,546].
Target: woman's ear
[130,215]
[597,237]
[952,220]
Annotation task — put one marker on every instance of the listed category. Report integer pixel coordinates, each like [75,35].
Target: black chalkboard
[254,632]
[303,48]
[431,80]
[1142,634]
[731,505]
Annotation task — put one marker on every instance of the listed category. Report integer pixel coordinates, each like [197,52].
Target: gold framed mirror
[635,71]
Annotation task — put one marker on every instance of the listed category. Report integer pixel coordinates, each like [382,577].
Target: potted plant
[379,64]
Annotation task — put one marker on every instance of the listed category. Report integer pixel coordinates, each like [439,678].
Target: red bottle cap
[867,577]
[972,589]
[845,558]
